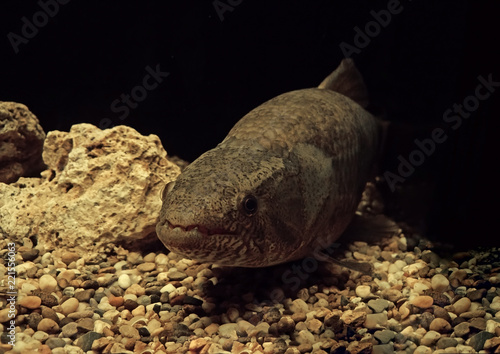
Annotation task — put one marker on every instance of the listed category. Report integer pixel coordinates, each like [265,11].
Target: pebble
[30,255]
[30,302]
[378,305]
[439,283]
[430,338]
[47,312]
[462,305]
[461,329]
[440,312]
[493,326]
[55,343]
[363,291]
[67,274]
[213,328]
[314,326]
[478,323]
[228,330]
[124,281]
[116,301]
[69,330]
[440,325]
[421,349]
[177,275]
[68,257]
[476,295]
[286,324]
[85,295]
[422,301]
[375,320]
[426,319]
[492,343]
[69,306]
[34,319]
[47,283]
[446,342]
[146,267]
[48,325]
[85,325]
[471,314]
[384,336]
[299,305]
[304,336]
[129,332]
[80,314]
[477,340]
[197,344]
[383,349]
[85,341]
[133,302]
[305,348]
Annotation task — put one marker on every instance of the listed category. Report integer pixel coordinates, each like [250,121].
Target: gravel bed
[121,301]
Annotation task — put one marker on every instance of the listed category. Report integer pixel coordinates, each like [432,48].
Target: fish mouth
[213,245]
[200,229]
[200,242]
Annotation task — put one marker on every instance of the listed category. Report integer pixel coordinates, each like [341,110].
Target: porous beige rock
[21,141]
[100,187]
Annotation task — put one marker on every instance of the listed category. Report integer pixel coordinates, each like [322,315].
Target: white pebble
[400,264]
[130,297]
[163,277]
[363,291]
[382,285]
[100,325]
[22,268]
[393,278]
[439,283]
[111,315]
[169,288]
[27,288]
[105,306]
[420,287]
[48,283]
[491,325]
[124,281]
[161,259]
[414,268]
[119,265]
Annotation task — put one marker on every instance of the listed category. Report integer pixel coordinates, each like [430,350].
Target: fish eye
[250,205]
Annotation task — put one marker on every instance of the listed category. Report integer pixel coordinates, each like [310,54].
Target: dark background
[221,65]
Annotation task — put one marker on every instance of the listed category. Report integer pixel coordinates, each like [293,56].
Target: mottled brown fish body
[287,178]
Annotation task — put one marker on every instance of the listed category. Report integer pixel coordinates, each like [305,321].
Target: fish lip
[200,229]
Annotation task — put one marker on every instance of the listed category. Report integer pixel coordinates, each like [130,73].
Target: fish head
[236,209]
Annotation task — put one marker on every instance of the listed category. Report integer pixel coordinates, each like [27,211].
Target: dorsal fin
[347,80]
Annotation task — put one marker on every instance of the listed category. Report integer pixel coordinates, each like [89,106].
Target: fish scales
[286,179]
